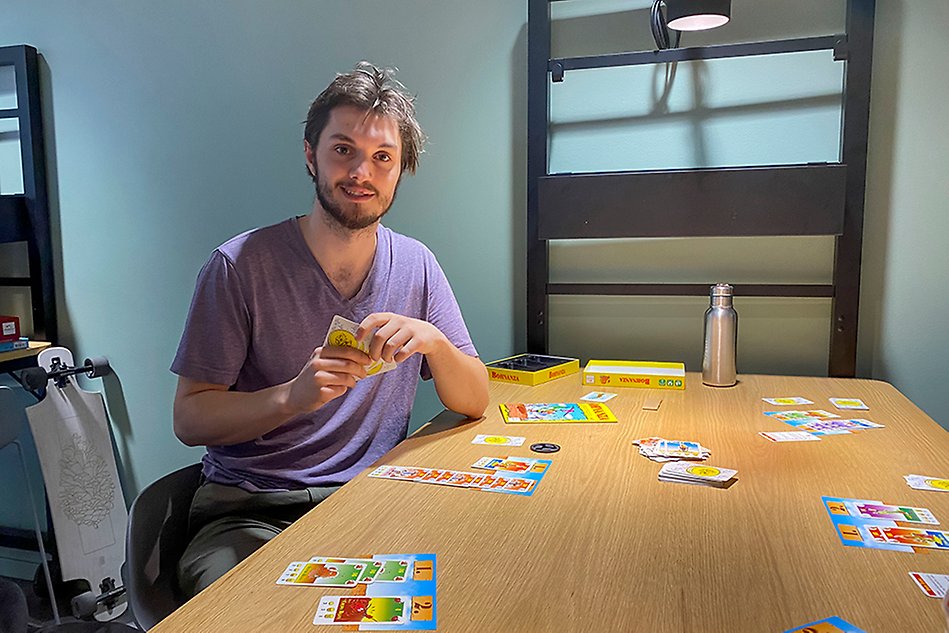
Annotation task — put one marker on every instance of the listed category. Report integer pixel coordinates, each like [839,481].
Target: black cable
[660,32]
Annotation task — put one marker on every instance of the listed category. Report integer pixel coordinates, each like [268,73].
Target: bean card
[393,571]
[789,436]
[598,396]
[849,403]
[933,585]
[922,482]
[368,574]
[787,401]
[356,609]
[498,440]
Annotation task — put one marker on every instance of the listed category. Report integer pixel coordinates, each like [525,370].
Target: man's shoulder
[254,244]
[403,246]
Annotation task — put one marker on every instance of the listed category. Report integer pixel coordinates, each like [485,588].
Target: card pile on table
[697,474]
[662,450]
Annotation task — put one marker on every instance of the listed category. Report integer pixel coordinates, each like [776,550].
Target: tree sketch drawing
[86,489]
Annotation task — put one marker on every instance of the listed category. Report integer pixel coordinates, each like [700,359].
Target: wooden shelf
[35,348]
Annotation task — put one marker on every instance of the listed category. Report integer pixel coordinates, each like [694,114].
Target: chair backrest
[11,416]
[157,537]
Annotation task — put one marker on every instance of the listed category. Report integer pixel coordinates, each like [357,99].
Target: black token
[545,447]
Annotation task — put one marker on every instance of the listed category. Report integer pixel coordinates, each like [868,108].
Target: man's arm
[461,381]
[211,415]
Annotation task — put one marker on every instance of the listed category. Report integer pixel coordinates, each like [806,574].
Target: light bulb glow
[698,22]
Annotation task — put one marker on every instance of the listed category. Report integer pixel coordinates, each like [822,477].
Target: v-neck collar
[365,290]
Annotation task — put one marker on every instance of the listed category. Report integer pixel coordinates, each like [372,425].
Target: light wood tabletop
[602,545]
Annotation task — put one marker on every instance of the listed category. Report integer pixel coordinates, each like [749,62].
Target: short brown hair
[374,90]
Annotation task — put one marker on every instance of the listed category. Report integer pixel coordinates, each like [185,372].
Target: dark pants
[232,524]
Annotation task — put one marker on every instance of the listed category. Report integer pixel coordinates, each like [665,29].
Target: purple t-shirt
[262,304]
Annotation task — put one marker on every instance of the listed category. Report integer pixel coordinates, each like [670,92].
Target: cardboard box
[628,373]
[9,328]
[531,369]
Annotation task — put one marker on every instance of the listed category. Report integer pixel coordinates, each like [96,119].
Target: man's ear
[310,158]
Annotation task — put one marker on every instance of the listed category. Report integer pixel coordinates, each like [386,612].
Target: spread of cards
[511,475]
[393,592]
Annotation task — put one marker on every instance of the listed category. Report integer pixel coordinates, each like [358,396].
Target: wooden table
[602,545]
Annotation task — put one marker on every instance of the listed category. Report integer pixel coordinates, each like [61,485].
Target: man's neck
[344,255]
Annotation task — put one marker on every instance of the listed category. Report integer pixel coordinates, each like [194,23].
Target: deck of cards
[662,450]
[697,474]
[342,333]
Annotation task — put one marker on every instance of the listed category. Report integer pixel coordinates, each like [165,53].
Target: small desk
[603,546]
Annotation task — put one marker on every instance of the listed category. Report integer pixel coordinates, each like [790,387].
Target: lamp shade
[697,15]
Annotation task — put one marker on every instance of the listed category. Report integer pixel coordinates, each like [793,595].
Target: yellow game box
[531,369]
[628,373]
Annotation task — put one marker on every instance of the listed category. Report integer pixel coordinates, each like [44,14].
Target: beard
[349,215]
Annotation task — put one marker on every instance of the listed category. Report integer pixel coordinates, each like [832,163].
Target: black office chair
[156,538]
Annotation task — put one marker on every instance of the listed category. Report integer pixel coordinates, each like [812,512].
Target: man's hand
[212,415]
[329,373]
[397,337]
[461,381]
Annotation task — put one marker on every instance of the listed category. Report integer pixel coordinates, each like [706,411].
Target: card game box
[628,373]
[9,328]
[531,369]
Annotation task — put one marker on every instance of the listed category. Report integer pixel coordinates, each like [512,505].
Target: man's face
[357,162]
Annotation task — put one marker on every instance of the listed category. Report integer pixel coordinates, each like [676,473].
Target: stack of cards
[698,474]
[342,333]
[662,450]
[921,482]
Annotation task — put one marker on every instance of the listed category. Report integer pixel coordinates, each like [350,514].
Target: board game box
[627,373]
[532,369]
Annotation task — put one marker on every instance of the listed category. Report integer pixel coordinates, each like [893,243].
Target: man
[285,420]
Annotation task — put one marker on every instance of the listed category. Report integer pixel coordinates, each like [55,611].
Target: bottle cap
[722,290]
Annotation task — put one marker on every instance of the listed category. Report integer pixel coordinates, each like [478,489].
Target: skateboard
[71,432]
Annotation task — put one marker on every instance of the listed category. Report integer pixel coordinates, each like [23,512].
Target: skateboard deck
[71,432]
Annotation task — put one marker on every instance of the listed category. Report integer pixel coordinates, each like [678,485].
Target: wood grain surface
[602,545]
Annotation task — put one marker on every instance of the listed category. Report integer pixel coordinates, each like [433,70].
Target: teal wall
[904,338]
[175,124]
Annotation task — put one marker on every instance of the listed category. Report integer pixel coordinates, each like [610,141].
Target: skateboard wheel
[97,366]
[35,377]
[84,605]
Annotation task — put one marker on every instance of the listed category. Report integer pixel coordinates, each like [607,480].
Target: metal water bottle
[721,339]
